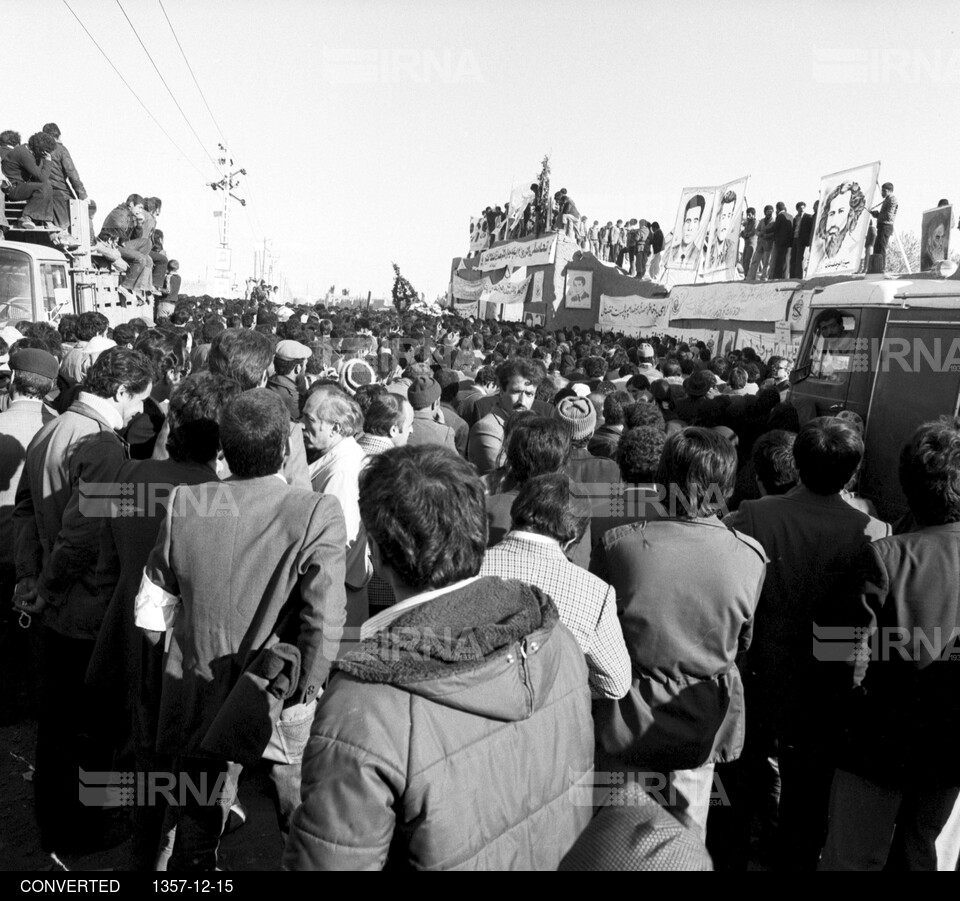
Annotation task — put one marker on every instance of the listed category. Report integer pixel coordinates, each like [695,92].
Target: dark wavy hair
[930,472]
[698,469]
[91,324]
[383,413]
[828,452]
[773,460]
[537,445]
[40,144]
[242,355]
[547,505]
[166,351]
[119,367]
[194,416]
[642,414]
[638,454]
[526,368]
[254,427]
[425,508]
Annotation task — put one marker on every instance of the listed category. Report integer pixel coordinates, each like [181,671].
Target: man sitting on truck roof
[121,225]
[21,167]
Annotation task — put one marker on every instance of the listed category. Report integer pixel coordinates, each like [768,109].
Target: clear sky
[373,129]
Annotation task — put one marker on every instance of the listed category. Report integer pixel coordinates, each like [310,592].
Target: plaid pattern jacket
[587,605]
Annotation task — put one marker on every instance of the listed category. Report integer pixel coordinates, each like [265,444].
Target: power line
[194,77]
[132,91]
[172,97]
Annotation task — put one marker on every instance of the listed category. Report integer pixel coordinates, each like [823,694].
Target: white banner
[710,337]
[767,345]
[469,290]
[731,300]
[508,290]
[539,252]
[843,217]
[465,309]
[632,314]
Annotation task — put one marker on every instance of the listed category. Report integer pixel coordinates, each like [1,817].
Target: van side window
[53,277]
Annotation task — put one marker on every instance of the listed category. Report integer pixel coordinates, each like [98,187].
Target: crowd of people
[478,596]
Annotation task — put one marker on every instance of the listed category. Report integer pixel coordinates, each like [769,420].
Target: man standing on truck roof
[63,178]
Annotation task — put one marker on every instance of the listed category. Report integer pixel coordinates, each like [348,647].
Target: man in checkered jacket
[546,521]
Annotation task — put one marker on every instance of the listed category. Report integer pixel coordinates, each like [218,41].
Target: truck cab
[40,280]
[887,349]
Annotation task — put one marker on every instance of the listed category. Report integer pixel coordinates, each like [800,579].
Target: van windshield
[16,304]
[829,352]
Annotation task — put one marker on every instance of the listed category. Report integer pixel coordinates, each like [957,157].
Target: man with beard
[685,254]
[838,219]
[720,246]
[519,380]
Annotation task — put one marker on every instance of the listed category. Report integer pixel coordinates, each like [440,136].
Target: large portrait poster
[683,258]
[935,236]
[843,216]
[723,232]
[579,289]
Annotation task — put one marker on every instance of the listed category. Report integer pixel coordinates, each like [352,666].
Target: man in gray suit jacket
[270,567]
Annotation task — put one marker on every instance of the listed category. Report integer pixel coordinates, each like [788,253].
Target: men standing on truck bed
[63,178]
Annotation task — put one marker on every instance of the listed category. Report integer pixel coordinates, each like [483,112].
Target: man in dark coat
[63,178]
[125,670]
[782,241]
[802,236]
[899,776]
[26,179]
[813,538]
[270,575]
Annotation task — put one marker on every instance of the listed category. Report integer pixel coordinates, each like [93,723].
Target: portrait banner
[632,314]
[935,236]
[743,301]
[843,217]
[478,234]
[723,232]
[537,296]
[767,345]
[539,252]
[684,257]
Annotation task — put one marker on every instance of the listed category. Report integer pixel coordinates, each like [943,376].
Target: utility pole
[227,183]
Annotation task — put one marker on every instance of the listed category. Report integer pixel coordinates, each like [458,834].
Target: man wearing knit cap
[449,383]
[355,374]
[428,425]
[596,474]
[289,361]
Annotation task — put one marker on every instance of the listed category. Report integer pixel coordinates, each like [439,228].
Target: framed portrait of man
[579,290]
[935,236]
